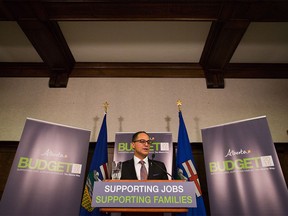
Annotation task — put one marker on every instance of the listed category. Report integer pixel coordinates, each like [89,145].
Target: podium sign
[144,194]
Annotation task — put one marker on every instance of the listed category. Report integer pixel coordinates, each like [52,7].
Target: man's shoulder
[157,161]
[128,161]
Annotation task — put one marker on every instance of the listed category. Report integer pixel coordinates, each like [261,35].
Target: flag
[186,170]
[98,171]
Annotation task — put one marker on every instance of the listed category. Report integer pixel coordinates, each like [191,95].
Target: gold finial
[106,106]
[179,104]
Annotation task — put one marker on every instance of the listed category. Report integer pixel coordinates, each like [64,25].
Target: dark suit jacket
[155,172]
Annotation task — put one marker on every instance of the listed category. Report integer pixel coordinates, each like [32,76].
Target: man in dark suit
[131,169]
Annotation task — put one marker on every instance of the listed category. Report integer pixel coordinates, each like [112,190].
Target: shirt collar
[136,160]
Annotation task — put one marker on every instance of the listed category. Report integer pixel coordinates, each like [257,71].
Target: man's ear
[133,145]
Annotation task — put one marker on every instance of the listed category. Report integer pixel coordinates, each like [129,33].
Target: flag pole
[179,104]
[106,105]
[185,166]
[98,170]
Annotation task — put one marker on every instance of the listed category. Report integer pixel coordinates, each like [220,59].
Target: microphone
[181,175]
[152,162]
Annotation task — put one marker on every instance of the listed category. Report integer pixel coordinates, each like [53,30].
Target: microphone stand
[152,162]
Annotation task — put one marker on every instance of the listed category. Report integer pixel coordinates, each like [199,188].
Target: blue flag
[186,167]
[98,171]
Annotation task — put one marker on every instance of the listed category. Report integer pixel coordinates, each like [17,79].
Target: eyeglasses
[143,141]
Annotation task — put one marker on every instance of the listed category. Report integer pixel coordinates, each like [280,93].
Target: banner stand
[244,175]
[47,174]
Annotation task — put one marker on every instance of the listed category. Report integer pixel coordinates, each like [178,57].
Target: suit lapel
[132,169]
[151,170]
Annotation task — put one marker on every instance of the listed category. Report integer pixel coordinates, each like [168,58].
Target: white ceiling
[144,41]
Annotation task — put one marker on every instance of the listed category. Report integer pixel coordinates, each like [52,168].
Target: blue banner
[186,168]
[98,171]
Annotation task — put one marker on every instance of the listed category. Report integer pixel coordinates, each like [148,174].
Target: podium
[142,210]
[158,196]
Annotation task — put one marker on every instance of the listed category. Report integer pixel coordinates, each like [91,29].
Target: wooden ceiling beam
[274,10]
[135,10]
[21,69]
[222,41]
[147,70]
[256,70]
[144,70]
[254,10]
[102,69]
[47,39]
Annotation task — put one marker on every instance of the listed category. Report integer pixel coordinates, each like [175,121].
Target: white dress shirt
[137,166]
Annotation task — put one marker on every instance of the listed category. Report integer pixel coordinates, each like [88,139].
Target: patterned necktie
[143,170]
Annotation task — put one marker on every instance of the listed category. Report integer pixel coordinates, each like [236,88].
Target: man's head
[141,144]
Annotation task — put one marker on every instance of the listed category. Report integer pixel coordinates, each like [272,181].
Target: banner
[144,194]
[162,147]
[244,176]
[47,174]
